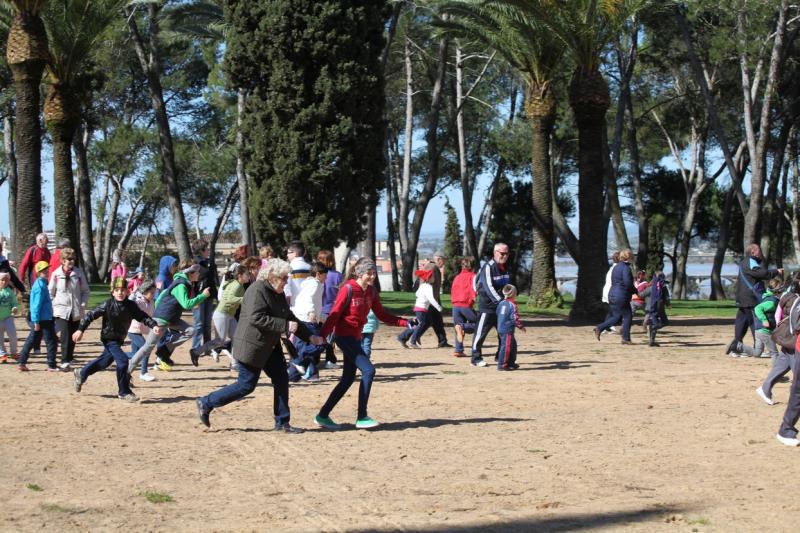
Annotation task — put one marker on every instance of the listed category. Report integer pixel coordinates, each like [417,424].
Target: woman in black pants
[619,297]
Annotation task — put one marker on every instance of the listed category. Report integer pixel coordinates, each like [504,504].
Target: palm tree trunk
[27,54]
[11,168]
[79,144]
[589,99]
[151,66]
[62,116]
[540,107]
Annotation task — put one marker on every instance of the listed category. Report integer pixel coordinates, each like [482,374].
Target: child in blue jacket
[41,309]
[507,322]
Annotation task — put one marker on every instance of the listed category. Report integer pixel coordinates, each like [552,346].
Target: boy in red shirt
[462,293]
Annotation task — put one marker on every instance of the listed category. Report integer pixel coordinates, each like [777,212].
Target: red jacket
[462,292]
[348,322]
[55,262]
[32,256]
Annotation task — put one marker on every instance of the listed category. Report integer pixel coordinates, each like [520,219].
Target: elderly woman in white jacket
[69,291]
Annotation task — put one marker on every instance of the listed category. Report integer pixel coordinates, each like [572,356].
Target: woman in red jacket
[347,317]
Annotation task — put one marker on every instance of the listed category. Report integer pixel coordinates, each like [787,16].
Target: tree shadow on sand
[572,522]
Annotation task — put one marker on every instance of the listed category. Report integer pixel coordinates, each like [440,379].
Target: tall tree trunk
[79,145]
[222,217]
[589,99]
[62,116]
[144,246]
[108,233]
[470,239]
[717,290]
[434,151]
[758,148]
[27,54]
[151,66]
[540,106]
[408,137]
[241,176]
[101,221]
[770,206]
[13,182]
[780,225]
[794,218]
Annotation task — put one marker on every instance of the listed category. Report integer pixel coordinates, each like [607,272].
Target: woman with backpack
[788,311]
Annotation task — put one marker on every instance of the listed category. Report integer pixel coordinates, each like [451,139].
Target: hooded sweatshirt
[174,299]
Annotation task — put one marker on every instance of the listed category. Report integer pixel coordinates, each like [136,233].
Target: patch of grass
[55,508]
[34,487]
[157,497]
[700,522]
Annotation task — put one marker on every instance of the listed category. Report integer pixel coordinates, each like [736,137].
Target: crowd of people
[280,316]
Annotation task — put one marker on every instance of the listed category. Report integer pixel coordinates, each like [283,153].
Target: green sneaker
[366,423]
[326,422]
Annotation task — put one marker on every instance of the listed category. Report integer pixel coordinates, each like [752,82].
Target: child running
[117,312]
[8,308]
[463,294]
[347,317]
[507,321]
[783,360]
[764,320]
[656,296]
[425,299]
[136,333]
[307,306]
[41,310]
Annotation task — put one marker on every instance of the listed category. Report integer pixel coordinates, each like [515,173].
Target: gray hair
[363,266]
[275,268]
[64,243]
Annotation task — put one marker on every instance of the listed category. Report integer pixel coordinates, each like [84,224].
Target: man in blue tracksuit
[489,283]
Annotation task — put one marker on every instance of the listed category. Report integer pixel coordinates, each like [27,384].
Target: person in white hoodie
[307,307]
[69,291]
[299,269]
[425,299]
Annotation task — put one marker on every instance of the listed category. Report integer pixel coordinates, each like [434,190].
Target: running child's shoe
[326,422]
[366,423]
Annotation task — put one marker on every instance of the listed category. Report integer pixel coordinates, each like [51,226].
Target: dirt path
[585,436]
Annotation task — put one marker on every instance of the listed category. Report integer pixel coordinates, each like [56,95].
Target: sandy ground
[586,435]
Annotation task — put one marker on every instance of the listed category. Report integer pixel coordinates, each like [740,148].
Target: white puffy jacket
[70,294]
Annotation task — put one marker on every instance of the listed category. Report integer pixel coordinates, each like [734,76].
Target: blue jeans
[275,368]
[112,354]
[619,310]
[47,330]
[137,341]
[415,333]
[307,354]
[202,323]
[354,358]
[366,343]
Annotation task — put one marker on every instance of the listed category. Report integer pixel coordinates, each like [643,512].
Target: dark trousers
[37,342]
[792,413]
[619,310]
[47,331]
[507,354]
[486,321]
[466,317]
[112,354]
[202,323]
[437,323]
[744,320]
[65,329]
[354,358]
[416,333]
[275,368]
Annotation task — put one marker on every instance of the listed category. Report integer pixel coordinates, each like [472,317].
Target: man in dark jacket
[753,274]
[264,318]
[489,283]
[117,312]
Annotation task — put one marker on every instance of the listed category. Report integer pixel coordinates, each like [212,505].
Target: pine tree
[453,245]
[313,123]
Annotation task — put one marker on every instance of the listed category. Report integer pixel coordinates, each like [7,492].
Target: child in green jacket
[764,316]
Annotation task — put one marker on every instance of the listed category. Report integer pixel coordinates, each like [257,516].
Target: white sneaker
[64,366]
[147,377]
[788,441]
[215,356]
[479,362]
[299,368]
[226,353]
[763,396]
[330,365]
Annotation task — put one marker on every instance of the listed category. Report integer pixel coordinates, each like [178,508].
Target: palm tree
[27,55]
[530,48]
[584,27]
[73,27]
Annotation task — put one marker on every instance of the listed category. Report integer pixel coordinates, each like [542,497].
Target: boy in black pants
[117,312]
